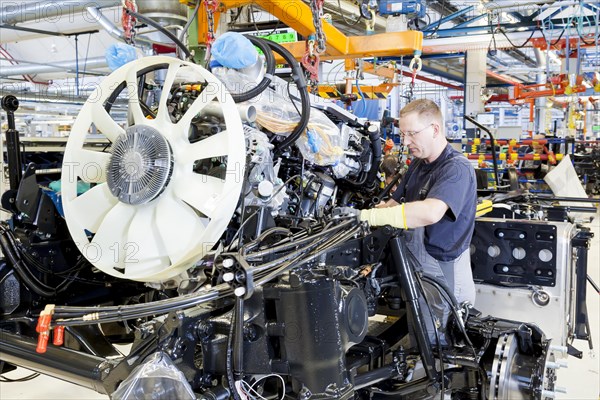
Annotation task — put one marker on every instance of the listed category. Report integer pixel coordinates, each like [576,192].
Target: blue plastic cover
[119,54]
[233,50]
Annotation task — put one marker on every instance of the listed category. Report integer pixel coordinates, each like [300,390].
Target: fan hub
[140,166]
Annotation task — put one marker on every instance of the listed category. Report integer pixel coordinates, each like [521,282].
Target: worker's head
[421,127]
[390,166]
[538,148]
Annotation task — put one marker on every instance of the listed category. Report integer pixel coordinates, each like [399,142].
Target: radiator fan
[149,214]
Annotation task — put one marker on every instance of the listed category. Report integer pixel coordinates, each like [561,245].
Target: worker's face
[418,134]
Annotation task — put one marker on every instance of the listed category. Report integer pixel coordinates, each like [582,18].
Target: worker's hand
[382,204]
[345,212]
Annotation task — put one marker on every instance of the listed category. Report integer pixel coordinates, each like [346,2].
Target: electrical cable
[452,303]
[436,333]
[229,358]
[166,32]
[524,43]
[443,5]
[30,281]
[364,102]
[298,77]
[87,50]
[15,380]
[190,21]
[350,23]
[292,100]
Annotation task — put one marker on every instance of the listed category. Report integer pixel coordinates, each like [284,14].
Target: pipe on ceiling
[15,13]
[105,23]
[112,30]
[30,69]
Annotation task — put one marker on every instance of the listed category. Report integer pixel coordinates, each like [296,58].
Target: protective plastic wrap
[157,378]
[233,50]
[119,54]
[235,81]
[322,143]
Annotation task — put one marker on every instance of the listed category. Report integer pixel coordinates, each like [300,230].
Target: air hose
[298,77]
[266,81]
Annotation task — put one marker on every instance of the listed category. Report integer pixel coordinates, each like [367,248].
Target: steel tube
[33,69]
[17,12]
[69,365]
[412,293]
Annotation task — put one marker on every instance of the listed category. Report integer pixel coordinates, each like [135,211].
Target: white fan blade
[142,233]
[179,226]
[144,253]
[89,165]
[208,95]
[89,209]
[133,98]
[111,237]
[202,192]
[166,91]
[213,146]
[105,124]
[142,269]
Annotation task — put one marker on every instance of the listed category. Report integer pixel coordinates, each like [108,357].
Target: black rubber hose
[375,138]
[238,340]
[229,359]
[298,76]
[158,26]
[388,188]
[377,152]
[266,81]
[30,282]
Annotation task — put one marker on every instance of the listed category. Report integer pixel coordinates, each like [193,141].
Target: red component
[389,145]
[43,322]
[59,336]
[163,49]
[43,328]
[42,344]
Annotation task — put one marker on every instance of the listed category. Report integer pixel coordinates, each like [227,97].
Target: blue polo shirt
[451,179]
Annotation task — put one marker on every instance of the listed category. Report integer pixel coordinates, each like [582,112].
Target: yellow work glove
[394,216]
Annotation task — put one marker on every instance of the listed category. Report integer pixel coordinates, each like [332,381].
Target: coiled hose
[266,81]
[298,77]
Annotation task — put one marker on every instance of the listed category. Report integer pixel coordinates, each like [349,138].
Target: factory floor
[581,379]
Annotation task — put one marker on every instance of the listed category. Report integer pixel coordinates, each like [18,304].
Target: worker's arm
[406,215]
[386,204]
[424,213]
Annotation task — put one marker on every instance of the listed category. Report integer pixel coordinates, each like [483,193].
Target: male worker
[435,202]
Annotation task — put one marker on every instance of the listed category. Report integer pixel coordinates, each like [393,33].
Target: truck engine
[210,239]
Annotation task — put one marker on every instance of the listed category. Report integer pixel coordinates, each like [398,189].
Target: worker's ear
[436,129]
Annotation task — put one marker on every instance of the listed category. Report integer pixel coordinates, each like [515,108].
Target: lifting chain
[310,63]
[128,21]
[316,6]
[370,22]
[211,7]
[415,65]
